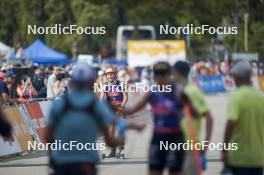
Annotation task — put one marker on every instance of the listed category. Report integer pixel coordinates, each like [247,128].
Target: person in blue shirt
[75,121]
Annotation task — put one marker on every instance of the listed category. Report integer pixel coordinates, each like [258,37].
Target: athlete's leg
[153,172]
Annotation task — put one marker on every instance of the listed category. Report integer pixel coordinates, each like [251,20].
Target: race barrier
[261,83]
[37,118]
[219,83]
[211,84]
[28,122]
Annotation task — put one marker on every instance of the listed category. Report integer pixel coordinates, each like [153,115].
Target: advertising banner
[147,52]
[20,130]
[9,146]
[37,118]
[45,108]
[261,82]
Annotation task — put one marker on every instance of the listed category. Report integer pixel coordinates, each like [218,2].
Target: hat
[241,69]
[110,69]
[10,74]
[82,73]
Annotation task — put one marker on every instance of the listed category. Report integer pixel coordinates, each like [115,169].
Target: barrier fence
[219,83]
[29,122]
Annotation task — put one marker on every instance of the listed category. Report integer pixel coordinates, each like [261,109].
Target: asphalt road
[136,149]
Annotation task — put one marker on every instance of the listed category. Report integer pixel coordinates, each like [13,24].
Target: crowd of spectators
[48,82]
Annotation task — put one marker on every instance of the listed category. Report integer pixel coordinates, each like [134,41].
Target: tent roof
[39,52]
[6,50]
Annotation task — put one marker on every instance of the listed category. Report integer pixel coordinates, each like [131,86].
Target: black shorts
[160,158]
[75,168]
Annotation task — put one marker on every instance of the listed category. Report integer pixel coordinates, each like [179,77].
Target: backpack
[89,109]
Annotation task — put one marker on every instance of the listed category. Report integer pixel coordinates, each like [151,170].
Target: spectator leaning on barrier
[78,116]
[245,125]
[7,81]
[193,96]
[51,82]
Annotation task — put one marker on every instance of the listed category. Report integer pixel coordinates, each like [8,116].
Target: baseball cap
[82,73]
[10,74]
[241,69]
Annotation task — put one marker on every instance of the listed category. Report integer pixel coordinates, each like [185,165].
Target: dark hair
[183,68]
[59,77]
[161,68]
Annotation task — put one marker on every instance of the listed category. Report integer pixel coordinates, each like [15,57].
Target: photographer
[26,90]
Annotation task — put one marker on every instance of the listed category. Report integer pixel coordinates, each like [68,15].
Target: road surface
[136,149]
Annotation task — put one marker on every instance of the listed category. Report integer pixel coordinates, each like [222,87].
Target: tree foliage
[15,15]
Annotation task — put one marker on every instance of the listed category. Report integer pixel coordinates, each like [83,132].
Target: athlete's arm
[138,106]
[125,95]
[209,126]
[230,126]
[102,92]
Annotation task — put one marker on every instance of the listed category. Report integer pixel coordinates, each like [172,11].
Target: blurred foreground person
[5,127]
[193,96]
[166,109]
[79,117]
[245,125]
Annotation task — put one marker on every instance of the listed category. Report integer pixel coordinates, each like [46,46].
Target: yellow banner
[147,52]
[19,128]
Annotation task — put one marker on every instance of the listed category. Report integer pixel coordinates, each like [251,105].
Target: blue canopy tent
[40,53]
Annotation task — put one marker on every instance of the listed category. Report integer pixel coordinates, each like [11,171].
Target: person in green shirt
[245,125]
[192,95]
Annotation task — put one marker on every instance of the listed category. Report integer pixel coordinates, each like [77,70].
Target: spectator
[51,82]
[245,125]
[7,81]
[60,86]
[26,90]
[38,79]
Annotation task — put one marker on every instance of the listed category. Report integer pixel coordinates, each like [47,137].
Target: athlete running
[115,93]
[166,109]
